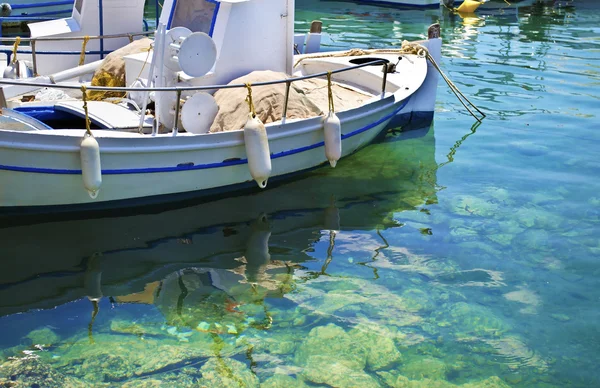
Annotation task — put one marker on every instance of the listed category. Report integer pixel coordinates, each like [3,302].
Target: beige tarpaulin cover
[112,70]
[307,99]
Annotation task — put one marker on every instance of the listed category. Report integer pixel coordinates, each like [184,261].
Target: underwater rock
[467,205]
[517,353]
[474,320]
[525,296]
[394,380]
[381,350]
[424,368]
[44,337]
[491,382]
[350,299]
[463,234]
[502,239]
[276,343]
[561,317]
[534,239]
[416,300]
[32,372]
[498,194]
[136,356]
[283,381]
[529,148]
[108,367]
[146,383]
[125,327]
[226,373]
[530,217]
[328,370]
[331,342]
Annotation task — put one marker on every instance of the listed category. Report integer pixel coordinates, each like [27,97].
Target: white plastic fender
[333,138]
[91,171]
[257,150]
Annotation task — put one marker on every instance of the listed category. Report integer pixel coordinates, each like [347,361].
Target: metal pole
[285,104]
[384,82]
[34,58]
[101,16]
[177,104]
[157,5]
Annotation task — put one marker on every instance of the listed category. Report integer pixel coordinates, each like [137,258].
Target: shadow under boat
[234,239]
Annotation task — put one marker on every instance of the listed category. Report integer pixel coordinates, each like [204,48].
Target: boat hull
[42,171]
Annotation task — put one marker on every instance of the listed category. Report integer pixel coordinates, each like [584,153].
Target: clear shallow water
[461,256]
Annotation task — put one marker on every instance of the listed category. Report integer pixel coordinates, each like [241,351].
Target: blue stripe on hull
[151,170]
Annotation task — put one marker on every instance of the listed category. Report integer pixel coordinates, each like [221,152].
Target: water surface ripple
[459,255]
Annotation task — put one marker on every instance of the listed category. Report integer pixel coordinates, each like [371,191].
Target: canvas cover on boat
[307,99]
[112,70]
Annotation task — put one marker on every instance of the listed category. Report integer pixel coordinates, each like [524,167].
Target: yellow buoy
[333,138]
[469,6]
[91,170]
[257,150]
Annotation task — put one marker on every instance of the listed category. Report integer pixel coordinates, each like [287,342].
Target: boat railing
[180,89]
[34,53]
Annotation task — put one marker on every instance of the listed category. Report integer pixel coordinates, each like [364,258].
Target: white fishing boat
[112,153]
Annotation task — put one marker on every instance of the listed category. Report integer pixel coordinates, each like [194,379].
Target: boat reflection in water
[240,240]
[180,295]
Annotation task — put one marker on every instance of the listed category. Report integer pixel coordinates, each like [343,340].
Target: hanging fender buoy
[257,150]
[91,171]
[333,138]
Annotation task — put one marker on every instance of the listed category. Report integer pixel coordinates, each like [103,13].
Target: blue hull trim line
[399,5]
[199,166]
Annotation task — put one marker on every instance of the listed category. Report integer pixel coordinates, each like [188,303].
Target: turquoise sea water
[458,255]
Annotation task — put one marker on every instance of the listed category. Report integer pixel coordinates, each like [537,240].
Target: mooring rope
[86,39]
[15,48]
[407,48]
[249,100]
[330,93]
[85,109]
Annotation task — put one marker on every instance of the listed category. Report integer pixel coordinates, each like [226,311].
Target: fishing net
[306,99]
[112,70]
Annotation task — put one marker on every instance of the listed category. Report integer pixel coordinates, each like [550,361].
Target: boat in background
[465,6]
[15,14]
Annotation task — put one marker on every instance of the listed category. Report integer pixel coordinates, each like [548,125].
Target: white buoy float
[333,138]
[91,170]
[257,150]
[332,128]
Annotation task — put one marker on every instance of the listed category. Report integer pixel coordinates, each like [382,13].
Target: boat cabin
[89,18]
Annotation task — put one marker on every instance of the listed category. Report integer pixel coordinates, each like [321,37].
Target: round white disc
[197,55]
[173,36]
[198,113]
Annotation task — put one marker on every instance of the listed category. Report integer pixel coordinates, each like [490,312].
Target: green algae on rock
[34,372]
[227,373]
[332,342]
[424,368]
[283,381]
[471,320]
[381,350]
[467,205]
[44,337]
